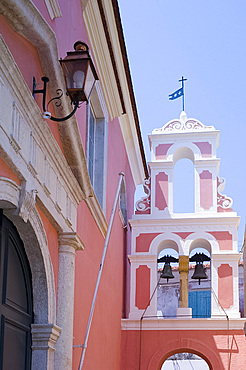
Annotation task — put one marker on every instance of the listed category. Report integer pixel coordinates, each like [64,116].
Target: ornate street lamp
[80,76]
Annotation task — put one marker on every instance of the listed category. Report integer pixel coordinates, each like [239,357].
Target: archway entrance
[16,300]
[185,361]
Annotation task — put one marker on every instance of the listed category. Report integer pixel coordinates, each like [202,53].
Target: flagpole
[179,92]
[183,93]
[182,81]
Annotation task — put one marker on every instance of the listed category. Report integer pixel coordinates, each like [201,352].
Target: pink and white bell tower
[148,338]
[212,226]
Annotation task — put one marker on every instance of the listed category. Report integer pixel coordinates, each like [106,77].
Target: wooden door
[200,302]
[16,300]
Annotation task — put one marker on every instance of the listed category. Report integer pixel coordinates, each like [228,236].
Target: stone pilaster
[68,244]
[44,338]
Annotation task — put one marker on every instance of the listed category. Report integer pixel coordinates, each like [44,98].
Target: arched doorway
[16,300]
[186,361]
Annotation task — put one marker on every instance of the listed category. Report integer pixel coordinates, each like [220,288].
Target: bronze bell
[167,272]
[199,272]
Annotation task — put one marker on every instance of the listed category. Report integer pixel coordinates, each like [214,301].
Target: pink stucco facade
[47,189]
[50,174]
[214,346]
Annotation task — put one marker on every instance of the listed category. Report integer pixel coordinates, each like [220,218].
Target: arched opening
[186,361]
[168,289]
[183,186]
[200,289]
[16,306]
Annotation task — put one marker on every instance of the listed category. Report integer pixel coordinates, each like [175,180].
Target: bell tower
[212,226]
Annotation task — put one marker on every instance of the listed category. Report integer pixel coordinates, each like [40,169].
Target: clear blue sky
[204,41]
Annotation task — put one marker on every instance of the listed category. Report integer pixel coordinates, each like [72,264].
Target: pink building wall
[27,59]
[112,302]
[157,346]
[5,171]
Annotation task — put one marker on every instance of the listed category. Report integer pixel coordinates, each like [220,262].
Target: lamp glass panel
[89,81]
[74,71]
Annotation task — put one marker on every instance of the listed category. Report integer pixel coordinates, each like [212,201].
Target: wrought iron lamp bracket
[59,92]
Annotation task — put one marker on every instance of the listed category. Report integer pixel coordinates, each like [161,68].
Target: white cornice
[127,121]
[133,153]
[190,222]
[102,58]
[167,136]
[143,258]
[182,324]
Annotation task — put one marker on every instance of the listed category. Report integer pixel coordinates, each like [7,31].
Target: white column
[69,243]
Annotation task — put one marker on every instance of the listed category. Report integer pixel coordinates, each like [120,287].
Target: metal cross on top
[179,92]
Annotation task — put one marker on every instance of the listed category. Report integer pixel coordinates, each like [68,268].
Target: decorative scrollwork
[189,125]
[183,124]
[57,99]
[222,200]
[144,204]
[220,184]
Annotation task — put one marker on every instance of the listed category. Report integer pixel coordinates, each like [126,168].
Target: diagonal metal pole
[100,270]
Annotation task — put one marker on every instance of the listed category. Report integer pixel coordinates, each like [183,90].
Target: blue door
[200,302]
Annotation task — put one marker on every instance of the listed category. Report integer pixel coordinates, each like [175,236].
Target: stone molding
[45,336]
[27,204]
[24,18]
[9,193]
[35,138]
[53,8]
[34,239]
[70,239]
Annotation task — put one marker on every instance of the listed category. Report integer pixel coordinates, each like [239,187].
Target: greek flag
[176,94]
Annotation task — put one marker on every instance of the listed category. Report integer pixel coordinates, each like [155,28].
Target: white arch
[201,239]
[159,241]
[35,243]
[186,145]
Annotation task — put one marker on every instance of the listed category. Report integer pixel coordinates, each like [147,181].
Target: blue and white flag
[176,94]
